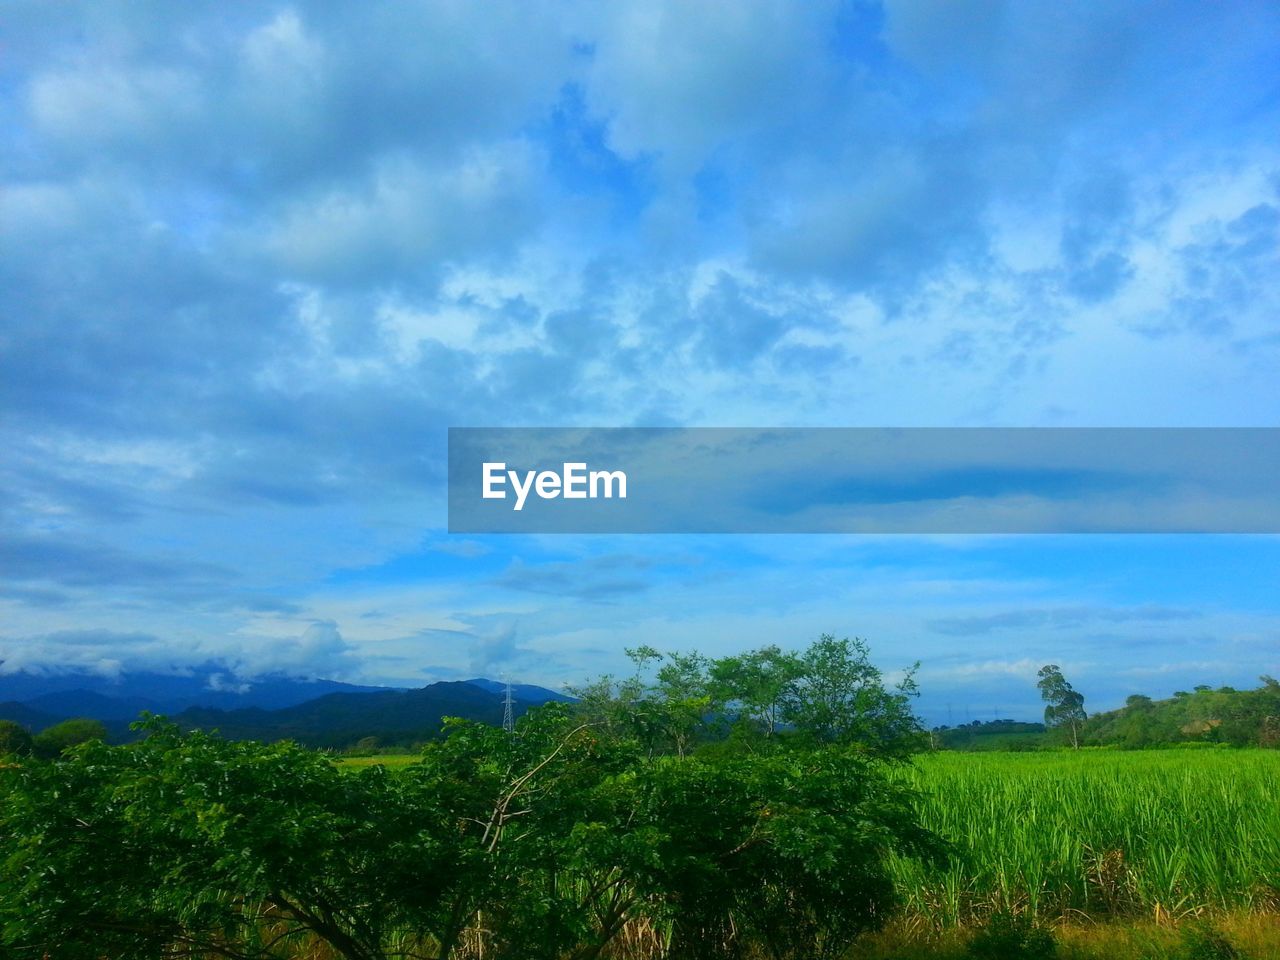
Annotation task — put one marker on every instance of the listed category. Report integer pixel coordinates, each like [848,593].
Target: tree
[1064,707]
[758,684]
[69,733]
[14,739]
[188,845]
[841,697]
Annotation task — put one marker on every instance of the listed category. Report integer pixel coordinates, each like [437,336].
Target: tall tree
[1064,706]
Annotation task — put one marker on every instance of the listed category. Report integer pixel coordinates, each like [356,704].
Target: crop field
[1164,834]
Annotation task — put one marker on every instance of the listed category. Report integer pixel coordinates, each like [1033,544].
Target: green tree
[52,741]
[1064,706]
[841,697]
[759,684]
[14,739]
[190,845]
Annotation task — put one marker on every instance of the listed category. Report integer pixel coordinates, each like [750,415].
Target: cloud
[256,260]
[594,579]
[1064,618]
[98,651]
[73,563]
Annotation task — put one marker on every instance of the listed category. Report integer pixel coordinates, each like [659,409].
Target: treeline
[830,692]
[655,816]
[1202,715]
[17,740]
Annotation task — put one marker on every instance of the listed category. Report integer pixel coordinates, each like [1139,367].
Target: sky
[255,259]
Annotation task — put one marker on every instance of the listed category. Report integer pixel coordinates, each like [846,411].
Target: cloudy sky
[256,258]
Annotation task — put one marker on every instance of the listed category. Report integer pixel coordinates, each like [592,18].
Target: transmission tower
[508,720]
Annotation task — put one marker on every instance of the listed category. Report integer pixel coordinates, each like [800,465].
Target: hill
[27,716]
[1202,715]
[317,712]
[393,717]
[525,692]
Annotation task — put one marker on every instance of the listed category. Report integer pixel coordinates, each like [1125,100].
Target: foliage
[592,819]
[990,735]
[69,733]
[15,739]
[1064,706]
[1206,715]
[828,694]
[192,844]
[1012,936]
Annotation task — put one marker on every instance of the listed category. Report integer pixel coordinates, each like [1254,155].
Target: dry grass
[1255,935]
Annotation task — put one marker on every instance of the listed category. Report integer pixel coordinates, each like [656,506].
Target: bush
[14,739]
[1204,942]
[1010,936]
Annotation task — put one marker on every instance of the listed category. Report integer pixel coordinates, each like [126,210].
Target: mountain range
[321,713]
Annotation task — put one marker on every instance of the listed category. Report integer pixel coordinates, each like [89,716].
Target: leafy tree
[1064,707]
[194,846]
[14,739]
[840,697]
[689,700]
[69,733]
[761,684]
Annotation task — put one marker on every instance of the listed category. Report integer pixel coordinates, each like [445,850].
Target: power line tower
[508,719]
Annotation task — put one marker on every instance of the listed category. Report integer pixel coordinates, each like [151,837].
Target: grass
[1255,936]
[1165,834]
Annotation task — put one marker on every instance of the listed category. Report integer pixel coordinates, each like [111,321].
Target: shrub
[1204,942]
[1011,936]
[14,739]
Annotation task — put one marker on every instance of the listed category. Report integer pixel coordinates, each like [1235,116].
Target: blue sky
[255,259]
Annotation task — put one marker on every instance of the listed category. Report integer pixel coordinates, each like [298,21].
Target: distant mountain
[524,692]
[124,695]
[86,703]
[27,716]
[317,712]
[337,720]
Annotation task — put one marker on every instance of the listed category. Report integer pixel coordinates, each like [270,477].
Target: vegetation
[1064,706]
[1204,715]
[1166,834]
[990,735]
[1220,716]
[15,739]
[52,741]
[595,827]
[771,804]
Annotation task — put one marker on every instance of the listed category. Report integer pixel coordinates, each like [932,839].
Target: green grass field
[1161,833]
